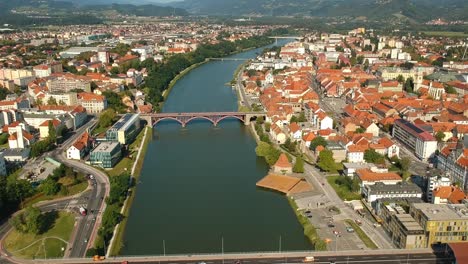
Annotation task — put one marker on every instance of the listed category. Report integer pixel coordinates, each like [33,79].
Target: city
[153,133]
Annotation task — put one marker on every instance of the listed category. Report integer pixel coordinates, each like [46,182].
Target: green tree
[373,156]
[360,130]
[450,90]
[267,126]
[440,136]
[270,153]
[409,85]
[400,78]
[4,138]
[404,163]
[298,165]
[107,118]
[260,120]
[52,132]
[326,161]
[115,70]
[52,101]
[318,141]
[50,187]
[29,221]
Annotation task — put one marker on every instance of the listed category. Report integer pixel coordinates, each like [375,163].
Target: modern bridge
[213,117]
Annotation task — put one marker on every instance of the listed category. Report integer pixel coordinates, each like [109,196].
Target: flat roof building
[420,141]
[106,154]
[125,130]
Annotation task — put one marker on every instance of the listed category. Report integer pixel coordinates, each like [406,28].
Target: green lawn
[361,234]
[30,246]
[126,163]
[343,192]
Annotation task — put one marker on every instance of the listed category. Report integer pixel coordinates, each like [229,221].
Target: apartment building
[421,142]
[92,102]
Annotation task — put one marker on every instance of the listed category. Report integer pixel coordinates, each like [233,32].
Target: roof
[368,175]
[453,194]
[283,162]
[55,123]
[460,250]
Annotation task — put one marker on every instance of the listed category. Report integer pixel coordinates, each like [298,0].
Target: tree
[50,187]
[326,161]
[298,165]
[409,85]
[404,164]
[360,130]
[372,156]
[52,101]
[450,90]
[52,132]
[114,70]
[400,78]
[267,126]
[107,118]
[318,141]
[4,138]
[30,221]
[270,153]
[260,120]
[440,136]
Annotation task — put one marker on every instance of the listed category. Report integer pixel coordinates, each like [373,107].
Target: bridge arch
[167,118]
[199,117]
[231,116]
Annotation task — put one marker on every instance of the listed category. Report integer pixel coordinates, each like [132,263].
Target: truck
[83,211]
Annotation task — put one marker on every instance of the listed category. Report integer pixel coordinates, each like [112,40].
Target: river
[197,190]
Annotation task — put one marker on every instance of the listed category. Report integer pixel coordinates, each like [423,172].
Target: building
[454,162]
[44,127]
[18,156]
[64,83]
[402,228]
[106,154]
[81,146]
[373,176]
[282,165]
[103,55]
[448,195]
[125,130]
[93,103]
[400,190]
[60,98]
[349,169]
[421,142]
[442,223]
[435,182]
[19,138]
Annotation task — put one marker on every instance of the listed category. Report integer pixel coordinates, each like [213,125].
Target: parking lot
[330,224]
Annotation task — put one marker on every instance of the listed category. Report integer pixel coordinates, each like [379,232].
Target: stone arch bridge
[213,117]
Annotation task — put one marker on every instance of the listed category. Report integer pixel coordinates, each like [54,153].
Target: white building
[421,142]
[435,182]
[93,103]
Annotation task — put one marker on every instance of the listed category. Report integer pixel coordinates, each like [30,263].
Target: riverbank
[116,242]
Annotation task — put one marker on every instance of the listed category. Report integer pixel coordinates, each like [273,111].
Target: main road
[93,198]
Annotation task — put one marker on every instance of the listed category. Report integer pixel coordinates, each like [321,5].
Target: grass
[126,163]
[62,227]
[343,192]
[72,189]
[309,230]
[120,232]
[361,234]
[445,34]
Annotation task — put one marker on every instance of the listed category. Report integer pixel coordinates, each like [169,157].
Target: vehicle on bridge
[308,259]
[98,258]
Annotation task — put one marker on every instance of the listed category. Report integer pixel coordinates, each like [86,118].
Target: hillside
[421,10]
[42,12]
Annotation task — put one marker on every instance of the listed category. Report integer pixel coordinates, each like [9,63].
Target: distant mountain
[380,9]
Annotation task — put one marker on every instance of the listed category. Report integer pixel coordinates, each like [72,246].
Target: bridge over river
[213,117]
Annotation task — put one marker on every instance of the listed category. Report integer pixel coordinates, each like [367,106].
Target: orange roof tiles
[283,162]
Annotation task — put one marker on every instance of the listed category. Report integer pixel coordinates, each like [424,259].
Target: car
[358,222]
[376,224]
[309,216]
[335,232]
[201,262]
[308,212]
[349,229]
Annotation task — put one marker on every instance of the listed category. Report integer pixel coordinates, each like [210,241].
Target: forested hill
[43,12]
[421,10]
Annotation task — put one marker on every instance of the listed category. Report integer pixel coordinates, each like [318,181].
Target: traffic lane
[417,259]
[86,223]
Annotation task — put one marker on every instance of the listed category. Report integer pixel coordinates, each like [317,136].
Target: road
[93,199]
[372,256]
[314,177]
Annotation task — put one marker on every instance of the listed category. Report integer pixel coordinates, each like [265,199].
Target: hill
[421,10]
[42,12]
